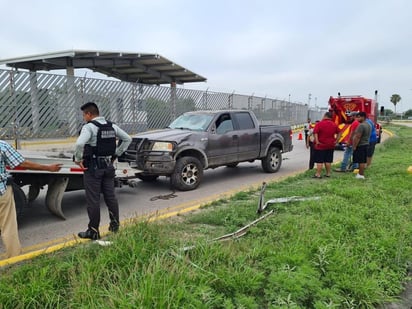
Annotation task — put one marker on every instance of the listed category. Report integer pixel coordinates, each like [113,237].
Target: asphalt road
[39,228]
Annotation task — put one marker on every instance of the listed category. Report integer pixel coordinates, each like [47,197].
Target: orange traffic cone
[300,137]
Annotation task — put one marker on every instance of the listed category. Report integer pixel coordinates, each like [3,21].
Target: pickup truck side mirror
[213,129]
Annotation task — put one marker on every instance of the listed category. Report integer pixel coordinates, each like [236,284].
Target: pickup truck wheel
[187,174]
[273,160]
[20,199]
[147,178]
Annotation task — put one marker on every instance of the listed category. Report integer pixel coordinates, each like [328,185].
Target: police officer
[95,151]
[306,127]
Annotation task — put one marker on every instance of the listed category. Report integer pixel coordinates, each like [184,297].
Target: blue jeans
[347,155]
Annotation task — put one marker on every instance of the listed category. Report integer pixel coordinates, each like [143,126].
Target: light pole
[309,97]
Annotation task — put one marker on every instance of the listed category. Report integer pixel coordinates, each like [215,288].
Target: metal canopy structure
[130,67]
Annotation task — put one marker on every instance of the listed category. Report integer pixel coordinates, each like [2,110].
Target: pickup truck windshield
[195,122]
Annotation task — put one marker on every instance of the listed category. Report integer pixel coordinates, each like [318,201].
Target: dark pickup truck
[199,140]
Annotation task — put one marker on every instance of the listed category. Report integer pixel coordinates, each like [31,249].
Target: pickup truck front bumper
[140,156]
[157,163]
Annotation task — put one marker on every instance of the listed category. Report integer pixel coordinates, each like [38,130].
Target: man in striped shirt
[8,221]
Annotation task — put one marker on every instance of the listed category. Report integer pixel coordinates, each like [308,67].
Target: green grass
[350,249]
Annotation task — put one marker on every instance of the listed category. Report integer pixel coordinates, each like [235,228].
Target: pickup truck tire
[20,199]
[146,177]
[187,174]
[273,160]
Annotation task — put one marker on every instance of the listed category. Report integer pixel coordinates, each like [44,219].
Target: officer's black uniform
[100,174]
[99,178]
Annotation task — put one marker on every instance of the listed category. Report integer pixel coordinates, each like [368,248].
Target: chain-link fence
[41,105]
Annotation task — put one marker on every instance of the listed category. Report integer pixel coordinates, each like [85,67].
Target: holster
[103,162]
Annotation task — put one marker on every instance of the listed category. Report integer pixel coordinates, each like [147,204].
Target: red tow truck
[341,108]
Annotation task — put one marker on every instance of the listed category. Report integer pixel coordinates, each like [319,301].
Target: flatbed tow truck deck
[69,178]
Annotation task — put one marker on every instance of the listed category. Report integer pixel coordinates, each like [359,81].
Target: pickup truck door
[223,141]
[248,135]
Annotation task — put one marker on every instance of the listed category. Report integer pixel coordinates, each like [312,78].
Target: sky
[267,48]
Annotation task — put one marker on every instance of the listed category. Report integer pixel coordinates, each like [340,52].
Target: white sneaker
[359,176]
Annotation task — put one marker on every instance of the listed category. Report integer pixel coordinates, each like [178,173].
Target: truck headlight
[162,146]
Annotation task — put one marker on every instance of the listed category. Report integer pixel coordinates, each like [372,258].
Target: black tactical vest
[105,143]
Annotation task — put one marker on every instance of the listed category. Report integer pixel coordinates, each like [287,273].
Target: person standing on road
[8,221]
[372,142]
[326,134]
[306,127]
[348,152]
[360,144]
[96,149]
[310,145]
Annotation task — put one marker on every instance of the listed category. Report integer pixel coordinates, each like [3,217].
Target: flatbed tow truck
[69,178]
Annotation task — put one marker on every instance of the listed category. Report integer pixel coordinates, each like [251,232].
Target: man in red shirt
[326,134]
